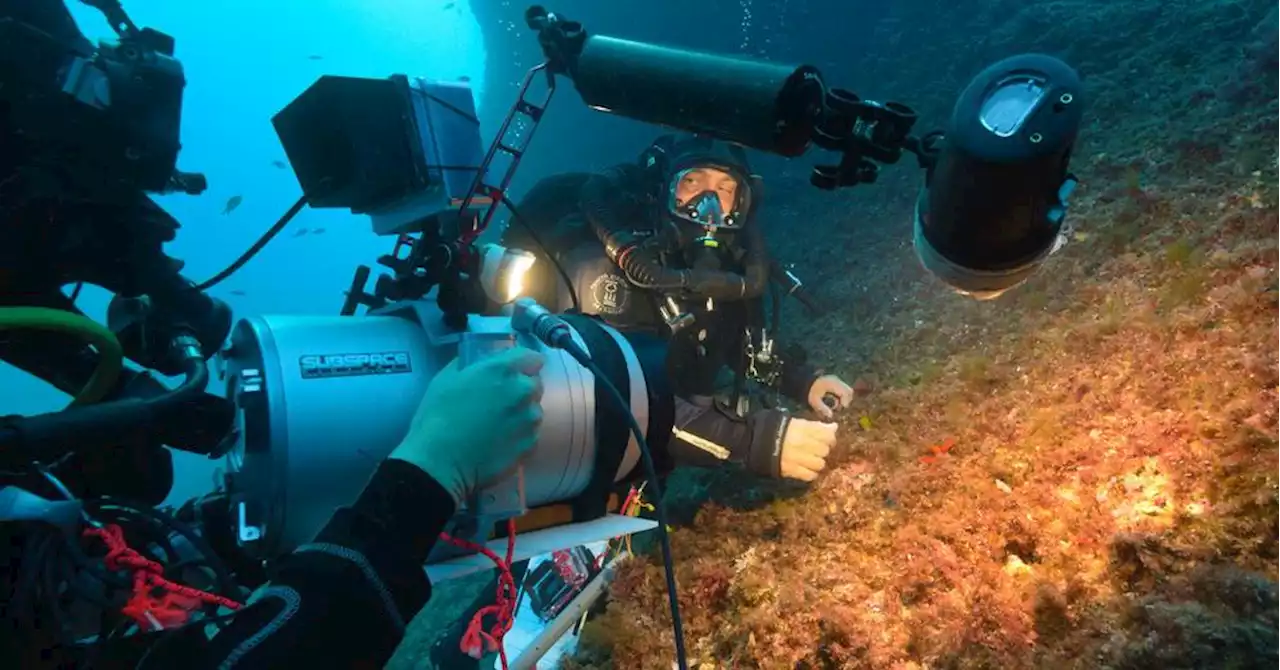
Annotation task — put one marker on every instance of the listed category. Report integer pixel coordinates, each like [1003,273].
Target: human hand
[829,385]
[474,423]
[805,447]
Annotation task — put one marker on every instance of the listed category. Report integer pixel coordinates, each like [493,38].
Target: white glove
[475,423]
[805,448]
[829,384]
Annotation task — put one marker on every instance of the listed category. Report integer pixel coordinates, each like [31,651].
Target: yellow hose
[110,356]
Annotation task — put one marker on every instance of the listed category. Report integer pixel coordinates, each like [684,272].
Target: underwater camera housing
[111,117]
[322,400]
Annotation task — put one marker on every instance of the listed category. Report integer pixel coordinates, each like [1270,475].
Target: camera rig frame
[439,253]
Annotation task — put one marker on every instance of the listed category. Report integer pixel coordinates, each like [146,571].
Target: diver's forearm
[343,600]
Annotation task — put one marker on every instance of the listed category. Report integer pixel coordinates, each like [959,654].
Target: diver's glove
[476,422]
[805,447]
[829,385]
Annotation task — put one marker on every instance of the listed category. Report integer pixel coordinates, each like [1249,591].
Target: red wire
[631,497]
[156,601]
[503,608]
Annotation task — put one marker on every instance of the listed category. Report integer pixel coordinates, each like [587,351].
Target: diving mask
[708,197]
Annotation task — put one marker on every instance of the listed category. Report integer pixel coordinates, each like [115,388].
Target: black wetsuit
[708,430]
[62,224]
[339,602]
[700,353]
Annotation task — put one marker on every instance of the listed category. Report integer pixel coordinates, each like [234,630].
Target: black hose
[775,308]
[52,582]
[196,377]
[795,289]
[255,248]
[636,257]
[44,438]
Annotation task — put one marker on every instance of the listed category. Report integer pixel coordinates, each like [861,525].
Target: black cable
[172,563]
[94,568]
[51,583]
[775,308]
[36,601]
[22,602]
[659,509]
[222,575]
[253,250]
[515,216]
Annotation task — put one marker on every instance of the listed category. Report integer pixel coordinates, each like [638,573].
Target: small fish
[315,57]
[464,78]
[237,292]
[300,232]
[317,231]
[232,203]
[279,164]
[449,5]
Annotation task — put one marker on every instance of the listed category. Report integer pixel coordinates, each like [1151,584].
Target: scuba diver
[79,534]
[70,214]
[671,244]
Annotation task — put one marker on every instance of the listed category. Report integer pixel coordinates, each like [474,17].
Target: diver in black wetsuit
[70,214]
[670,244]
[75,170]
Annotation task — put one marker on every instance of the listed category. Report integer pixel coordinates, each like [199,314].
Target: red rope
[156,602]
[476,641]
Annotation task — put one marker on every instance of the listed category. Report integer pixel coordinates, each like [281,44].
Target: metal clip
[762,365]
[676,318]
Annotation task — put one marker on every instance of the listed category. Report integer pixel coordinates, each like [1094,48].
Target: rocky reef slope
[1110,496]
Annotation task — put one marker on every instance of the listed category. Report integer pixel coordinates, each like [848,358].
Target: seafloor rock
[1109,498]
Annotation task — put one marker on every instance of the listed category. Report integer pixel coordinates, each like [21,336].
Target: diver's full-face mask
[711,200]
[709,196]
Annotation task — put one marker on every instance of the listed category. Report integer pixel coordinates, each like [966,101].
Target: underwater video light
[994,204]
[503,272]
[758,104]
